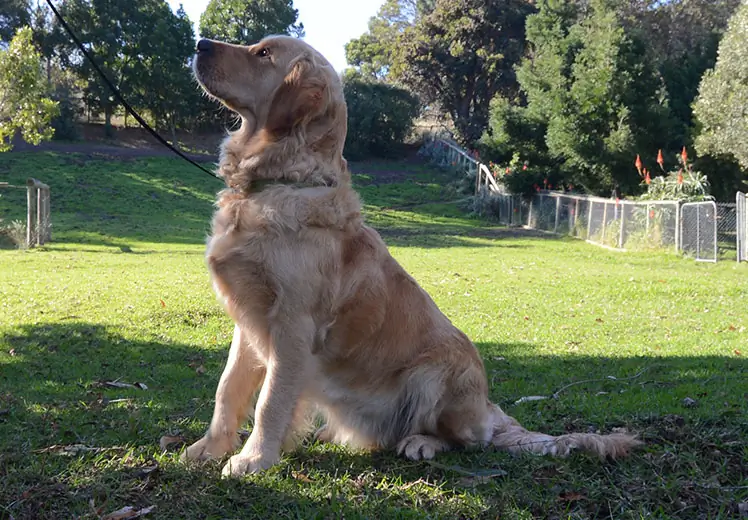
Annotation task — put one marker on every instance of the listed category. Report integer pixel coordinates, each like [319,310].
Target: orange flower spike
[684,156]
[680,176]
[638,164]
[648,179]
[660,160]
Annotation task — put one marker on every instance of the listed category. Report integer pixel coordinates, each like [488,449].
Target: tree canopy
[722,104]
[248,21]
[24,104]
[460,55]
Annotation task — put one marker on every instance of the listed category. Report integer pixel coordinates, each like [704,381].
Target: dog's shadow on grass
[60,387]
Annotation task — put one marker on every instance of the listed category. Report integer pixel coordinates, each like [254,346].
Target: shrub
[380,117]
[684,184]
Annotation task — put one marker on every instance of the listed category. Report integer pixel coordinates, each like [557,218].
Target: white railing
[446,153]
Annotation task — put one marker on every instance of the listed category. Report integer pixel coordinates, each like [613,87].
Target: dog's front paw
[239,465]
[210,448]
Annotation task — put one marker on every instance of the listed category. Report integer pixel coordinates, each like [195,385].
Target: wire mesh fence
[698,228]
[706,231]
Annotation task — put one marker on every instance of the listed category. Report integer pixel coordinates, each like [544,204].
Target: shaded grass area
[124,296]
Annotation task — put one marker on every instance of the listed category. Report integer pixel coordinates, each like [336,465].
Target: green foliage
[592,98]
[167,64]
[723,96]
[24,102]
[460,56]
[248,21]
[683,184]
[681,37]
[373,52]
[14,14]
[380,117]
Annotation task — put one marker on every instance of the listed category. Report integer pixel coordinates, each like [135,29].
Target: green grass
[122,293]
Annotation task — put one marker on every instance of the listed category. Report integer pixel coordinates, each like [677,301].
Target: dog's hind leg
[241,378]
[510,435]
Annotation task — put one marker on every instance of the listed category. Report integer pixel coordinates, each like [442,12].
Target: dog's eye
[263,53]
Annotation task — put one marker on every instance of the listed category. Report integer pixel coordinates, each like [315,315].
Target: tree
[24,105]
[164,81]
[723,96]
[682,38]
[380,117]
[461,55]
[14,15]
[596,92]
[248,21]
[372,53]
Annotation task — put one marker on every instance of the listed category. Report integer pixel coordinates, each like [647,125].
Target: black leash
[119,97]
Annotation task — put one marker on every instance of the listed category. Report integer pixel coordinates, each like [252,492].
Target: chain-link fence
[707,231]
[698,230]
[741,226]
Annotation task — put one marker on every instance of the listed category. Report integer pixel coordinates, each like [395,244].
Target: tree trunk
[108,130]
[173,126]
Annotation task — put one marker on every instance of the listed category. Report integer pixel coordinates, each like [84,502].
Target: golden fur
[325,319]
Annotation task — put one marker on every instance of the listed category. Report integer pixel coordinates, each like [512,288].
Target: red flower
[524,167]
[638,164]
[660,160]
[651,213]
[684,155]
[647,179]
[680,176]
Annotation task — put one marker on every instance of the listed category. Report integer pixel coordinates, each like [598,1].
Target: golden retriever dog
[326,321]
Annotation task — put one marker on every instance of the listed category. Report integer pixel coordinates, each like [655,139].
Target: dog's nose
[204,46]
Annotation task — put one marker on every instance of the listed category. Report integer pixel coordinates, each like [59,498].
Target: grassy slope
[122,292]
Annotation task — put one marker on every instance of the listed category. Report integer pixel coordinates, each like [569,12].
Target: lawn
[656,343]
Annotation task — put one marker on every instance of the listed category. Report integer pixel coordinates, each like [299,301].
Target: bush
[380,117]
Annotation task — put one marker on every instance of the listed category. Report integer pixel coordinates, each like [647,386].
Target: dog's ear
[302,97]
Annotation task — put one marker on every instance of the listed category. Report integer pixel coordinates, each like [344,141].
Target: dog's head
[291,103]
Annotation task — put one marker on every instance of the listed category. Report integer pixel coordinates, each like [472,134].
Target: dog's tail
[508,434]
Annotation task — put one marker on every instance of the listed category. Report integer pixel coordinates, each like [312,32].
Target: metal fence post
[623,219]
[558,208]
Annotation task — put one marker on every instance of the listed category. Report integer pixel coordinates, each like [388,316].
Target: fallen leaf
[689,402]
[599,320]
[162,303]
[571,496]
[472,482]
[527,317]
[168,440]
[128,512]
[12,352]
[147,470]
[298,475]
[142,386]
[732,327]
[737,352]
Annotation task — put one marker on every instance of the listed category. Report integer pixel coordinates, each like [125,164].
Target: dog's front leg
[286,377]
[241,378]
